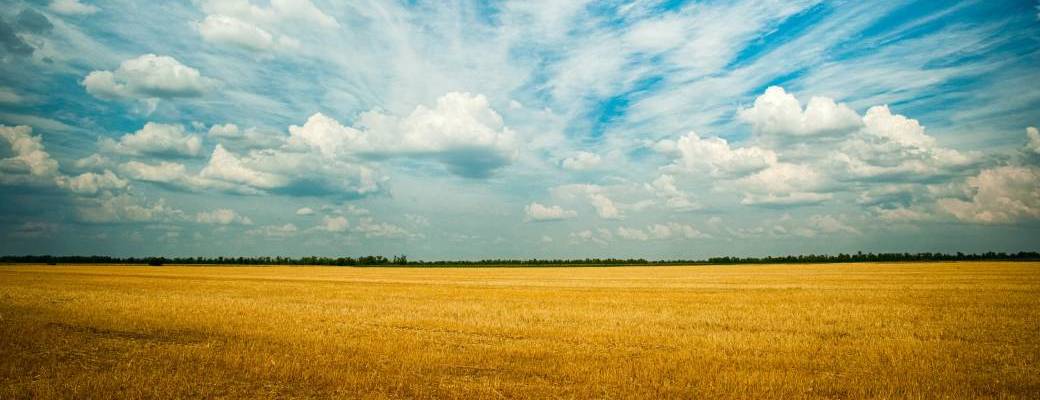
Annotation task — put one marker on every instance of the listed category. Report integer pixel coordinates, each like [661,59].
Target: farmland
[891,330]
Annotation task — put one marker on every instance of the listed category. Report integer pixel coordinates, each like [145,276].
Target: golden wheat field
[922,330]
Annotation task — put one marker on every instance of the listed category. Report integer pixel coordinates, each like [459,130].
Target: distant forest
[404,261]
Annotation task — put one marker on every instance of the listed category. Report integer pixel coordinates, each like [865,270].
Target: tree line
[404,261]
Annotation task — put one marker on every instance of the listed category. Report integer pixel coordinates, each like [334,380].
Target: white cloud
[783,184]
[222,216]
[225,130]
[116,208]
[227,30]
[93,161]
[581,161]
[90,183]
[831,224]
[294,173]
[148,77]
[605,207]
[334,224]
[156,139]
[305,211]
[30,162]
[1034,140]
[227,167]
[778,113]
[998,195]
[461,131]
[668,231]
[372,229]
[72,7]
[9,96]
[715,156]
[539,212]
[277,11]
[274,231]
[595,195]
[664,188]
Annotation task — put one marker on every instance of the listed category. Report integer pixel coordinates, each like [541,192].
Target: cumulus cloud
[998,195]
[461,131]
[222,216]
[783,184]
[777,112]
[90,183]
[669,231]
[892,147]
[581,161]
[372,229]
[225,130]
[305,211]
[124,208]
[148,77]
[157,140]
[232,31]
[539,212]
[93,161]
[72,7]
[30,162]
[1033,146]
[294,173]
[664,188]
[334,224]
[714,156]
[277,11]
[274,231]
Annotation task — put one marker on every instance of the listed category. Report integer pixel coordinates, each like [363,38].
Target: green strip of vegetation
[404,261]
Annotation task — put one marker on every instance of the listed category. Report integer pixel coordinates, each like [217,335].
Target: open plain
[914,330]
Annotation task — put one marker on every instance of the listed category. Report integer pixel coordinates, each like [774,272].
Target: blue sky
[533,129]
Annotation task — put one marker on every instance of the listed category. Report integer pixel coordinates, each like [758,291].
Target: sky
[518,129]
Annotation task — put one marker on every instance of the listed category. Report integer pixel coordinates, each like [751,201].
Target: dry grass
[960,330]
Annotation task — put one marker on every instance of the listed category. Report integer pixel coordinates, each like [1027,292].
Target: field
[924,330]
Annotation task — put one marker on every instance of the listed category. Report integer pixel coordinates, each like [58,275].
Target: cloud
[783,184]
[461,131]
[72,7]
[664,188]
[231,135]
[125,208]
[9,96]
[274,231]
[668,231]
[277,11]
[93,161]
[157,140]
[334,224]
[372,229]
[292,173]
[777,112]
[1034,140]
[30,162]
[148,77]
[539,212]
[227,30]
[305,211]
[581,161]
[1000,195]
[222,216]
[225,130]
[595,195]
[32,21]
[892,147]
[714,156]
[90,183]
